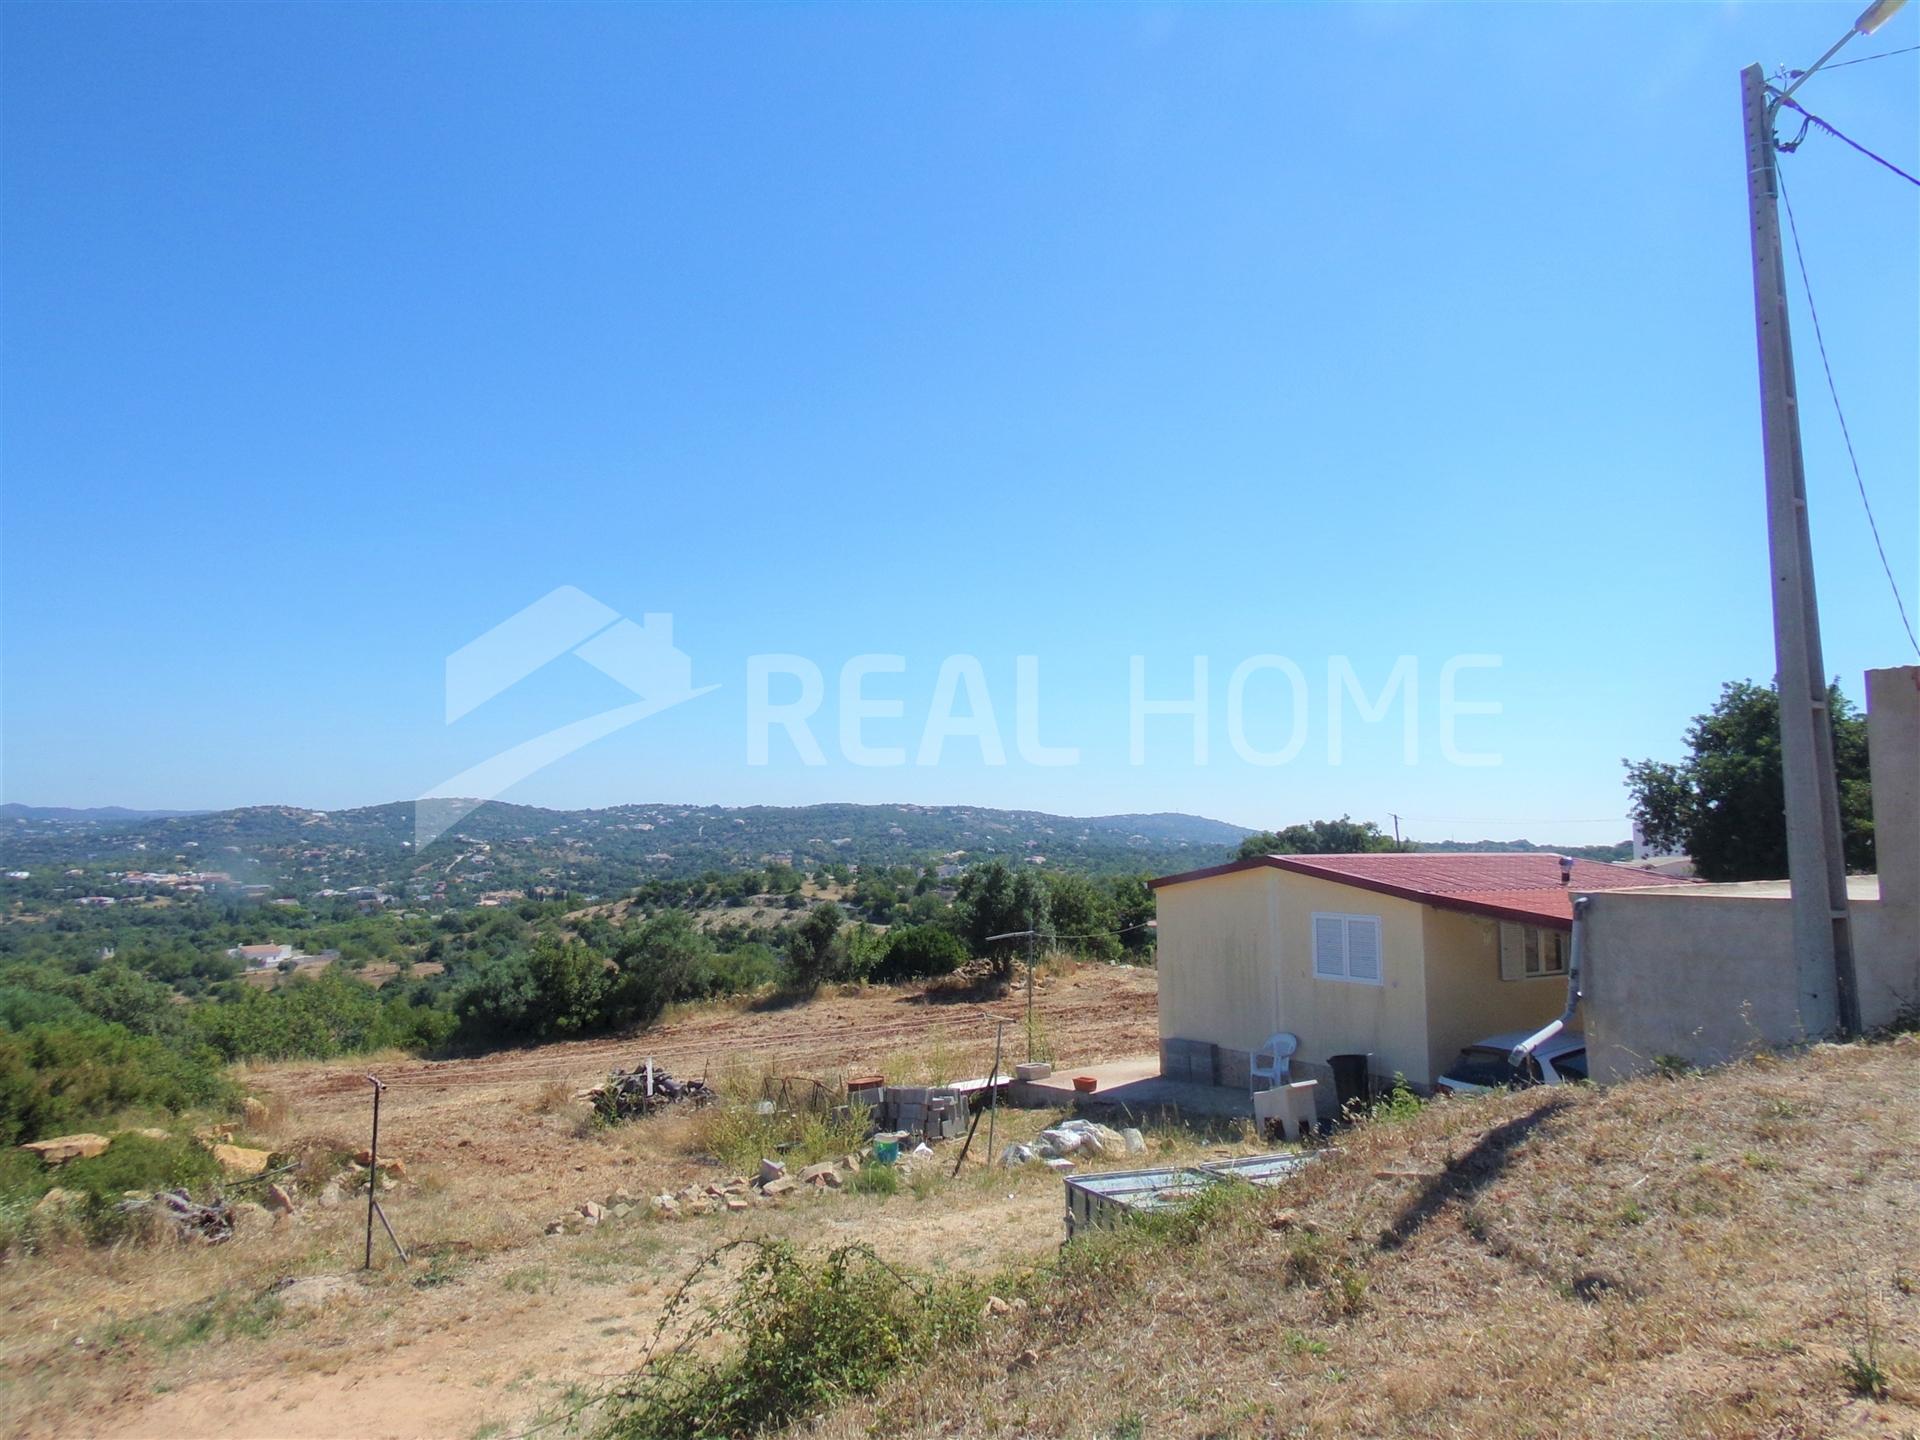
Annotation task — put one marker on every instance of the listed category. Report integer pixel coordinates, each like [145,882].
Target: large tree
[1725,804]
[996,900]
[814,951]
[1345,836]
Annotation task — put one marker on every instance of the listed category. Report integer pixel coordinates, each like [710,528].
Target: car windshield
[1573,1064]
[1484,1065]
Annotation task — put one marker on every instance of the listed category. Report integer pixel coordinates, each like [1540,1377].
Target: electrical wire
[1509,820]
[1857,60]
[1793,228]
[1812,119]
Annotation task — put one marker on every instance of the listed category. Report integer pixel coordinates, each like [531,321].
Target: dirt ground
[497,1323]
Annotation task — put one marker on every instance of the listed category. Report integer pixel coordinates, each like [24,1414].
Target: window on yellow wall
[1347,947]
[1531,952]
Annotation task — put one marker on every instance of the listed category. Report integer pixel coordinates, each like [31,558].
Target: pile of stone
[716,1198]
[639,1092]
[1058,1148]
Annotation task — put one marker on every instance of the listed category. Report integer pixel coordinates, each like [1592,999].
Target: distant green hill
[606,851]
[1621,851]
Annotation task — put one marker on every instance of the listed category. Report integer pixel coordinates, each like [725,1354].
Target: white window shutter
[1513,951]
[1363,948]
[1329,946]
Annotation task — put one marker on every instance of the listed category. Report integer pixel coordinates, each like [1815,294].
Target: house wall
[1236,965]
[1466,998]
[1334,1017]
[1707,973]
[1219,971]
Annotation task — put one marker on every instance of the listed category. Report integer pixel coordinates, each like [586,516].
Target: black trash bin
[1351,1078]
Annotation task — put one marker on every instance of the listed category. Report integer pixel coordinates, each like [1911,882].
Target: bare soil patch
[497,1322]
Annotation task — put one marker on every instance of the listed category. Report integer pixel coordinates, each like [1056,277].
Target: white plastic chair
[1279,1052]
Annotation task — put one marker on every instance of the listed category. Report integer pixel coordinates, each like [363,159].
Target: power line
[1793,228]
[1789,146]
[1861,60]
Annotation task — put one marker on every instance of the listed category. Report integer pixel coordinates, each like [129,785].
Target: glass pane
[1556,952]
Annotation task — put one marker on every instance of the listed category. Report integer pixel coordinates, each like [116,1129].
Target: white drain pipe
[1522,1052]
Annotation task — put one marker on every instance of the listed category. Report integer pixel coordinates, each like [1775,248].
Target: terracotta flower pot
[1085,1084]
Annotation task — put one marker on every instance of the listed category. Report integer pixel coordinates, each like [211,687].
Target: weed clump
[808,1333]
[875,1180]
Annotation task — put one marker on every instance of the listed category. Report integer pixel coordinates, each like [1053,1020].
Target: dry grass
[496,1321]
[1731,1254]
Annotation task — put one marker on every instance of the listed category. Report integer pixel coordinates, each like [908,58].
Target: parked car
[1488,1064]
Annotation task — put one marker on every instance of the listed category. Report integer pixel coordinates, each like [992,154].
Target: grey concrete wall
[1893,742]
[1706,974]
[1704,978]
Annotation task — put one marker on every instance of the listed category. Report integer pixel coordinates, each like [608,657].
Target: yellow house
[1407,958]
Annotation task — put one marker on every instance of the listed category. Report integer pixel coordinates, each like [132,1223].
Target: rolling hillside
[609,849]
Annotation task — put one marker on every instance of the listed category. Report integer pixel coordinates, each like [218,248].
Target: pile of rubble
[1056,1147]
[630,1093]
[718,1197]
[212,1223]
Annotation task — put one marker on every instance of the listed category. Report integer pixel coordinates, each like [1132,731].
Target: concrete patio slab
[1134,1086]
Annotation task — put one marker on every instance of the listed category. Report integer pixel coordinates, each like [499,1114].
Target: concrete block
[1295,1106]
[1233,1068]
[1188,1060]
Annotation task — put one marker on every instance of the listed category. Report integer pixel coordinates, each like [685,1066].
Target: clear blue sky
[333,335]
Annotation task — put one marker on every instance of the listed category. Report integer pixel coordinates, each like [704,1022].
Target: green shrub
[139,1162]
[318,1019]
[132,1163]
[735,972]
[808,1333]
[919,952]
[23,1176]
[57,1077]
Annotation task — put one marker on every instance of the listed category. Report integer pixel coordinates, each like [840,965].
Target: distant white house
[260,957]
[1645,849]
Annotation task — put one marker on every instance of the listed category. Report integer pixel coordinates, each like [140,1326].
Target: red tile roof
[1522,886]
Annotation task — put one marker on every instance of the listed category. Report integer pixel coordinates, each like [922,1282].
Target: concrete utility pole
[1816,861]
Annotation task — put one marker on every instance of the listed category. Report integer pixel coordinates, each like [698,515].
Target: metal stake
[373,1183]
[373,1169]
